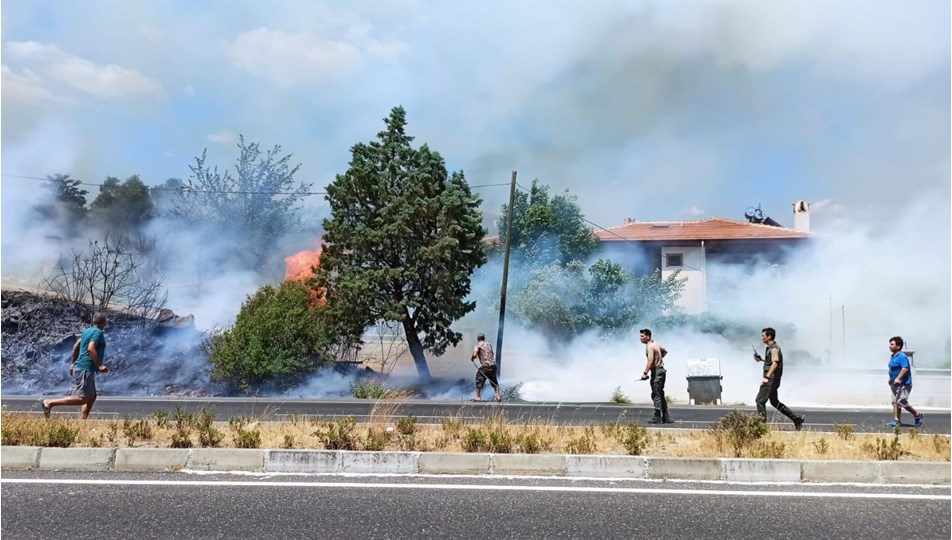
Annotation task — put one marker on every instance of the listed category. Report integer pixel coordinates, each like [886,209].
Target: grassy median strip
[736,435]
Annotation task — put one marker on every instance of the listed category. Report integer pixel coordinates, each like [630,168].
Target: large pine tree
[403,240]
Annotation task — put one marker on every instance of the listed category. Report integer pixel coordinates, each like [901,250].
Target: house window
[675,260]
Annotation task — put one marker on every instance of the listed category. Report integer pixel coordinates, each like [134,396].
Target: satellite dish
[759,215]
[749,214]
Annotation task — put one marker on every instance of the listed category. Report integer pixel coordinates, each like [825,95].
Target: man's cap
[480,336]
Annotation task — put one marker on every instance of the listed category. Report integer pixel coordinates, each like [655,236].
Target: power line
[186,189]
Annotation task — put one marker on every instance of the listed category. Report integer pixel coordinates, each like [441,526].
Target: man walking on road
[486,368]
[655,354]
[773,371]
[900,381]
[88,353]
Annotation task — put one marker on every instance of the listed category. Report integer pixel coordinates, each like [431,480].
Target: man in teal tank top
[87,360]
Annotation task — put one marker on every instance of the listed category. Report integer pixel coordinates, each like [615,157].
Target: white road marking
[458,487]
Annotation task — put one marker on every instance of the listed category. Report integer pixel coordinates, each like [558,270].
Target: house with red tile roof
[699,248]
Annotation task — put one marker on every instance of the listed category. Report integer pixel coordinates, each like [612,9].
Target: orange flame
[300,267]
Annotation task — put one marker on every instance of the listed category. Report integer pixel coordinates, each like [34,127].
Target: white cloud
[98,80]
[288,58]
[222,137]
[26,87]
[694,211]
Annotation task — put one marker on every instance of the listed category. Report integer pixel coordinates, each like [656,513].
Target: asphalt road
[39,504]
[685,416]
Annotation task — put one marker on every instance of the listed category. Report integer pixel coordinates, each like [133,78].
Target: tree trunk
[416,349]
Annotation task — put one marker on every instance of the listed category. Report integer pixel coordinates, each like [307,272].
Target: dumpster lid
[704,367]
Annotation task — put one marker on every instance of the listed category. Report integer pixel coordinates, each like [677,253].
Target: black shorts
[486,372]
[84,384]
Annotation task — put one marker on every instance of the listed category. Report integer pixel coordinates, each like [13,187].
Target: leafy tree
[564,301]
[68,205]
[122,206]
[164,196]
[260,201]
[403,240]
[546,229]
[280,335]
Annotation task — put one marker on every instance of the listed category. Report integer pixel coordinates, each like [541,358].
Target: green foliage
[247,438]
[61,435]
[406,426]
[545,229]
[288,442]
[844,431]
[403,240]
[769,450]
[475,440]
[277,337]
[583,444]
[740,430]
[181,439]
[376,440]
[140,429]
[511,393]
[564,301]
[209,437]
[340,435]
[161,419]
[884,450]
[531,442]
[619,397]
[259,204]
[635,439]
[369,390]
[122,206]
[733,330]
[68,205]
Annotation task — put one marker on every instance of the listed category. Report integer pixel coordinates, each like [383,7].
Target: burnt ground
[145,356]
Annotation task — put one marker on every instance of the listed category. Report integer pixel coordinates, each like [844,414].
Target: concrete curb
[589,466]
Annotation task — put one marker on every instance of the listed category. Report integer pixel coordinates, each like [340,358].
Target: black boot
[655,420]
[667,420]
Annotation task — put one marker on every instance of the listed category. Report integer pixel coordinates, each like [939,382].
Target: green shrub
[740,430]
[61,436]
[161,419]
[886,450]
[180,439]
[769,450]
[247,438]
[475,440]
[136,430]
[369,390]
[376,440]
[288,442]
[583,444]
[844,431]
[209,437]
[406,426]
[619,397]
[278,336]
[531,443]
[340,435]
[635,440]
[500,440]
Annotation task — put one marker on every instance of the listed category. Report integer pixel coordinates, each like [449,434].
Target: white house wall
[693,271]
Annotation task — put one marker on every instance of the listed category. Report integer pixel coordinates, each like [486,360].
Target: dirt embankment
[145,356]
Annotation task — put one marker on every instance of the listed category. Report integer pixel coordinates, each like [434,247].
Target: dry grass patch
[389,430]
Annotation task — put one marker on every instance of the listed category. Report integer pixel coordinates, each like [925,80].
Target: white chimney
[801,216]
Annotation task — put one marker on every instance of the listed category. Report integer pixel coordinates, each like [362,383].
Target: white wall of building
[693,270]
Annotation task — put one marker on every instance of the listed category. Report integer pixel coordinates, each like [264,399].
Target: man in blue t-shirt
[900,382]
[88,354]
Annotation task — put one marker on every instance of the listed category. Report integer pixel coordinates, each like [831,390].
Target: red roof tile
[707,229]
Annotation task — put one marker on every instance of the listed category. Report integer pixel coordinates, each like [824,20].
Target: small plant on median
[635,439]
[209,437]
[885,450]
[288,442]
[583,444]
[161,419]
[844,431]
[369,390]
[340,435]
[511,393]
[180,439]
[475,440]
[61,436]
[136,430]
[769,450]
[740,430]
[619,397]
[821,446]
[376,440]
[406,426]
[247,438]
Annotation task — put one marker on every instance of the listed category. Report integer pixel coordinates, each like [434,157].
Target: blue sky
[652,110]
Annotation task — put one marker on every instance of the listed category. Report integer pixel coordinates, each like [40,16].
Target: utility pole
[505,275]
